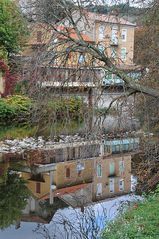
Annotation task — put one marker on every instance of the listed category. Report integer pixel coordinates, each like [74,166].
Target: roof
[67,190]
[47,31]
[72,33]
[34,218]
[62,191]
[109,19]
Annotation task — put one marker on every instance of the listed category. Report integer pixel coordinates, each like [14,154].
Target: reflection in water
[72,223]
[79,175]
[13,198]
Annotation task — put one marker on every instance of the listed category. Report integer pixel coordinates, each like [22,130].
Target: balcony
[69,77]
[122,145]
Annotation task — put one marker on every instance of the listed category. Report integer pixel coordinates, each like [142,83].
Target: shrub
[18,109]
[7,112]
[15,109]
[72,107]
[19,103]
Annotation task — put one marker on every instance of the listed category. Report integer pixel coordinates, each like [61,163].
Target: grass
[14,132]
[139,222]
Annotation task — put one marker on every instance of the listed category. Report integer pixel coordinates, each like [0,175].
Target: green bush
[19,103]
[7,112]
[14,109]
[72,107]
[18,109]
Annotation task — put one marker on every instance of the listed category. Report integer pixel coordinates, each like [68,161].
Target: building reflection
[40,211]
[76,175]
[86,173]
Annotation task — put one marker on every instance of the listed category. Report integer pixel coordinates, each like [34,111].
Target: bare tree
[75,20]
[67,54]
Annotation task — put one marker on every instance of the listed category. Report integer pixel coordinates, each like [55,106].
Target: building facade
[114,35]
[112,176]
[105,170]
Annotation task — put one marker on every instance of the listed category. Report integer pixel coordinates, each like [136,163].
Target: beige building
[112,176]
[115,35]
[106,176]
[67,174]
[111,34]
[99,169]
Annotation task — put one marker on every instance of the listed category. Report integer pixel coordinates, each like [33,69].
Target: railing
[60,76]
[121,145]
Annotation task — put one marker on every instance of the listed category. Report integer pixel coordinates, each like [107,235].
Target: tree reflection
[13,199]
[75,224]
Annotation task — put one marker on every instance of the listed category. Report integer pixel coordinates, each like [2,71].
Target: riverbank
[140,221]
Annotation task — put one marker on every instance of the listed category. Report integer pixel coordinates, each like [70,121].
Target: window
[121,185]
[39,36]
[106,76]
[67,172]
[124,34]
[112,168]
[80,167]
[123,54]
[81,59]
[121,166]
[101,48]
[38,187]
[101,32]
[114,53]
[99,170]
[114,37]
[111,185]
[68,52]
[99,189]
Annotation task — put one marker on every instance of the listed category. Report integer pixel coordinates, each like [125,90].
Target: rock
[31,143]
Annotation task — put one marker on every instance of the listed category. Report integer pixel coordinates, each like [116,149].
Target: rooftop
[109,19]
